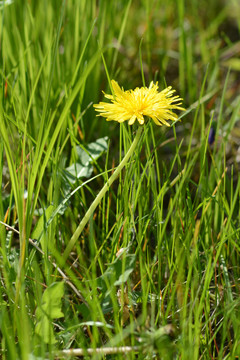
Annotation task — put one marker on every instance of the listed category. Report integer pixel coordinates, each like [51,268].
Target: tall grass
[155,272]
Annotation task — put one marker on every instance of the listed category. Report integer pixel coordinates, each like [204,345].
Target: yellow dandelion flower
[132,105]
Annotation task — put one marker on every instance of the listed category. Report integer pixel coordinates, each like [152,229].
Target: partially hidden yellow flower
[140,103]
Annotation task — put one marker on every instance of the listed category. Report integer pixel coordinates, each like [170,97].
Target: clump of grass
[155,270]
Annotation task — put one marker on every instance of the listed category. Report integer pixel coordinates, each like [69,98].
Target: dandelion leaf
[49,309]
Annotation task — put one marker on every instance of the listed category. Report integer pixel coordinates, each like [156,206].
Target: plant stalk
[101,194]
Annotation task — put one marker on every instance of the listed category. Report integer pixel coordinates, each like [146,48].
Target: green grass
[173,214]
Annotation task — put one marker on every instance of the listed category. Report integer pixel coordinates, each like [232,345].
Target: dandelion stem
[100,195]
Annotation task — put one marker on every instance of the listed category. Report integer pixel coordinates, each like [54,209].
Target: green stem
[100,195]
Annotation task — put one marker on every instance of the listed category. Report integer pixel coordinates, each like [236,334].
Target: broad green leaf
[51,302]
[77,171]
[44,329]
[93,150]
[86,156]
[49,309]
[123,277]
[117,273]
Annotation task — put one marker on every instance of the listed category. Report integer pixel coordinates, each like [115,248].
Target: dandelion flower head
[139,104]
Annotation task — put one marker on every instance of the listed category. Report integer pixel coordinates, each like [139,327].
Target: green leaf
[77,171]
[51,302]
[49,309]
[93,150]
[44,329]
[86,156]
[123,277]
[118,272]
